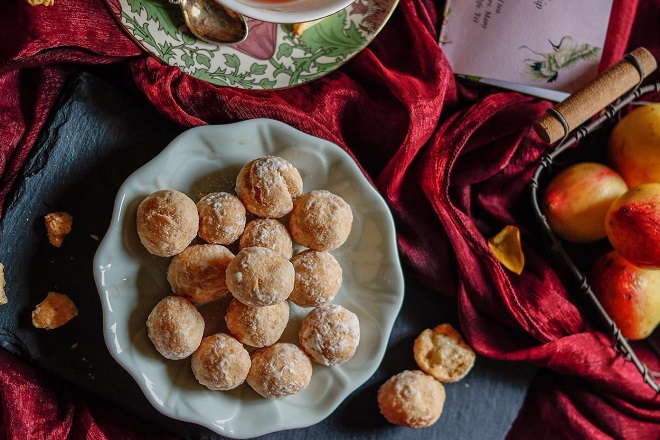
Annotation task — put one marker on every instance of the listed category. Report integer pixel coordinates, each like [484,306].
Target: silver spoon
[208,20]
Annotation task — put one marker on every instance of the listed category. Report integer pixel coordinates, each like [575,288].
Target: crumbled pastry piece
[198,272]
[318,278]
[58,226]
[41,2]
[268,185]
[280,370]
[268,233]
[330,334]
[175,327]
[54,311]
[167,222]
[221,218]
[220,362]
[299,28]
[257,326]
[259,277]
[411,398]
[443,353]
[320,220]
[3,294]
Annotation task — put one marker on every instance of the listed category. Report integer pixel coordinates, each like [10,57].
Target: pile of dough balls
[243,244]
[416,398]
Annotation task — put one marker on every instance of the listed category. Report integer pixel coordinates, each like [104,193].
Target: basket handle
[610,85]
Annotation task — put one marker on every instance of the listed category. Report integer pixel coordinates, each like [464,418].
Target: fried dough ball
[320,220]
[318,278]
[221,218]
[330,334]
[257,326]
[268,233]
[280,370]
[268,186]
[198,272]
[175,327]
[443,353]
[167,222]
[220,362]
[411,398]
[259,277]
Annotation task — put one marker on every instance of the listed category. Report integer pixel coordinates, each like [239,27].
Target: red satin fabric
[453,163]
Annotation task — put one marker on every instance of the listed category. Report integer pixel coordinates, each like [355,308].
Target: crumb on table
[54,311]
[3,294]
[58,225]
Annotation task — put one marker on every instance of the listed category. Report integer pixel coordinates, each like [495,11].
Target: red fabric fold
[452,160]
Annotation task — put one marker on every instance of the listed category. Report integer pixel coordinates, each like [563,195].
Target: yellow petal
[507,249]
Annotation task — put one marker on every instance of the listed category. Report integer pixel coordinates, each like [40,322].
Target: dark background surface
[97,136]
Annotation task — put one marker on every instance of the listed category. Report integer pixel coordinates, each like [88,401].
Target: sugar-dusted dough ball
[280,370]
[259,277]
[167,222]
[330,334]
[268,233]
[320,220]
[220,362]
[268,186]
[411,398]
[443,353]
[257,326]
[175,327]
[221,218]
[198,272]
[318,278]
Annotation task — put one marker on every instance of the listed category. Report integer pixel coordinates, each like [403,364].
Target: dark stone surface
[96,138]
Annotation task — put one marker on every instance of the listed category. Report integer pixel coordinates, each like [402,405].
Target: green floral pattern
[272,56]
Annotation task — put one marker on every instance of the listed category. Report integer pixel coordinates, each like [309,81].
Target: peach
[576,200]
[632,225]
[629,294]
[633,147]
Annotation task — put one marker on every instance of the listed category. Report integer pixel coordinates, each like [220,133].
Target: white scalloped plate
[130,281]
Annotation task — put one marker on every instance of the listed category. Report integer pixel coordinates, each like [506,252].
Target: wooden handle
[598,94]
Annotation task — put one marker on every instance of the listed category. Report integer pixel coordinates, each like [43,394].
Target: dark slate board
[98,135]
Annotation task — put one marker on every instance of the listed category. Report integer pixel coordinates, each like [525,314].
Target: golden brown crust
[443,353]
[54,311]
[198,272]
[411,398]
[320,220]
[330,334]
[3,294]
[222,218]
[175,327]
[257,326]
[167,222]
[267,186]
[280,370]
[220,362]
[268,233]
[318,278]
[58,226]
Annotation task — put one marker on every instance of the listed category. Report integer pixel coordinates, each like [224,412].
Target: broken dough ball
[221,218]
[3,294]
[198,272]
[220,362]
[54,311]
[411,398]
[268,233]
[320,220]
[58,226]
[443,353]
[330,334]
[267,186]
[167,222]
[280,370]
[175,327]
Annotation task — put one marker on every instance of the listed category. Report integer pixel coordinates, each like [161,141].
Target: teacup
[286,11]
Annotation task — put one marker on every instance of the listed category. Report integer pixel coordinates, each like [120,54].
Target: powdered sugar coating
[175,327]
[268,233]
[257,326]
[330,334]
[259,277]
[167,222]
[198,272]
[280,370]
[220,362]
[222,218]
[268,186]
[318,278]
[411,398]
[320,220]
